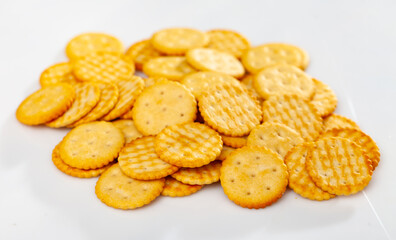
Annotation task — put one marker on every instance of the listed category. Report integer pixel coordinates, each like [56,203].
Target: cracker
[91,145]
[339,166]
[127,115]
[247,80]
[117,190]
[129,90]
[153,80]
[188,145]
[103,67]
[200,82]
[337,121]
[108,99]
[235,142]
[177,41]
[275,136]
[88,43]
[161,105]
[281,80]
[253,177]
[141,52]
[60,72]
[296,113]
[271,54]
[128,128]
[172,68]
[299,179]
[40,107]
[87,96]
[225,152]
[174,188]
[75,172]
[360,138]
[206,174]
[230,110]
[206,59]
[228,41]
[324,98]
[138,160]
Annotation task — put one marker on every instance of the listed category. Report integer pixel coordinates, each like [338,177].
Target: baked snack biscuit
[324,98]
[206,174]
[60,72]
[174,188]
[228,41]
[337,121]
[172,68]
[128,128]
[141,52]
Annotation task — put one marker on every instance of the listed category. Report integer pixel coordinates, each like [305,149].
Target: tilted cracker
[230,110]
[228,41]
[174,188]
[235,142]
[161,105]
[339,166]
[247,80]
[271,54]
[128,128]
[200,82]
[91,145]
[103,67]
[60,72]
[296,113]
[108,99]
[117,190]
[283,79]
[153,80]
[324,98]
[275,136]
[206,59]
[75,172]
[40,107]
[206,174]
[129,90]
[299,179]
[188,145]
[172,68]
[360,138]
[225,152]
[127,115]
[141,52]
[139,160]
[87,96]
[253,177]
[177,41]
[337,121]
[88,43]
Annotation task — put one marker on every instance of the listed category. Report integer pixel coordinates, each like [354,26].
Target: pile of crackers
[212,108]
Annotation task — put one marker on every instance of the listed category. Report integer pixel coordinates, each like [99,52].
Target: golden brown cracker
[60,72]
[141,52]
[174,188]
[228,41]
[225,152]
[337,121]
[324,98]
[172,68]
[128,128]
[235,142]
[206,174]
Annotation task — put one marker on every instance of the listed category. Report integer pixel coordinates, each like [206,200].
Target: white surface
[352,48]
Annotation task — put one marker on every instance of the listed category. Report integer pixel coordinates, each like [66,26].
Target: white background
[352,45]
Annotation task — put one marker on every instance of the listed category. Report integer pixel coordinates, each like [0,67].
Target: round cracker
[206,174]
[91,145]
[299,179]
[103,67]
[129,90]
[230,110]
[88,43]
[275,136]
[188,145]
[360,138]
[128,128]
[228,41]
[324,98]
[141,52]
[253,177]
[161,105]
[296,113]
[60,72]
[339,166]
[117,190]
[40,107]
[127,115]
[247,80]
[87,96]
[174,188]
[206,59]
[271,54]
[75,172]
[235,142]
[139,160]
[153,80]
[177,41]
[334,121]
[172,68]
[225,152]
[281,80]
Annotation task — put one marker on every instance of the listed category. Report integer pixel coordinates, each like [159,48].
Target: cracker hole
[268,188]
[146,104]
[74,154]
[232,180]
[110,189]
[147,122]
[253,175]
[261,137]
[181,114]
[93,155]
[257,157]
[162,92]
[238,163]
[164,109]
[125,197]
[180,96]
[274,169]
[248,193]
